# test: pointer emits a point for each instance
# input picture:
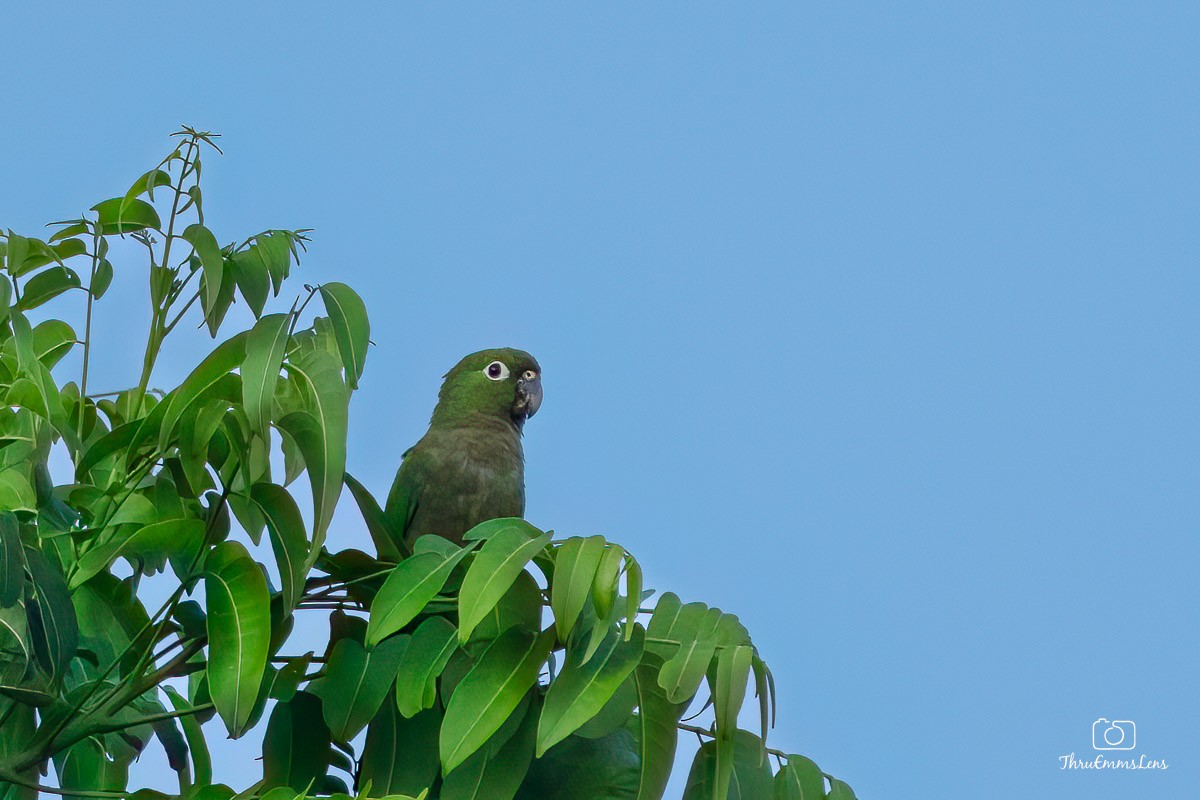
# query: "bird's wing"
(405, 495)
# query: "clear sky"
(875, 324)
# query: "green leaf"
(575, 564)
(490, 692)
(799, 779)
(47, 285)
(15, 734)
(85, 765)
(102, 279)
(41, 254)
(751, 777)
(52, 340)
(502, 558)
(838, 790)
(265, 348)
(428, 651)
(5, 299)
(520, 607)
(53, 627)
(239, 632)
(654, 730)
(585, 769)
(197, 746)
(177, 539)
(252, 280)
(495, 771)
(320, 434)
(148, 183)
(15, 492)
(285, 526)
(274, 250)
(110, 617)
(604, 585)
(765, 692)
(412, 584)
(733, 671)
(400, 755)
(382, 535)
(633, 592)
(15, 251)
(12, 561)
(14, 637)
(121, 215)
(351, 327)
(296, 744)
(212, 262)
(582, 689)
(694, 626)
(225, 358)
(356, 683)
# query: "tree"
(513, 666)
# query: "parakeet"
(469, 467)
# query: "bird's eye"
(496, 371)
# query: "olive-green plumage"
(469, 466)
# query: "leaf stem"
(154, 340)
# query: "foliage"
(513, 666)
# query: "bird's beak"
(529, 396)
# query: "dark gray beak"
(529, 397)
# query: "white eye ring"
(496, 371)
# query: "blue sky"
(875, 324)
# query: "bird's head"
(502, 382)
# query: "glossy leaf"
(356, 683)
(252, 280)
(12, 561)
(178, 539)
(490, 692)
(265, 347)
(604, 584)
(495, 771)
(52, 340)
(212, 262)
(194, 734)
(633, 592)
(654, 730)
(351, 328)
(585, 769)
(839, 790)
(750, 778)
(799, 779)
(53, 627)
(583, 688)
(682, 673)
(46, 285)
(220, 362)
(428, 651)
(319, 432)
(575, 564)
(733, 671)
(412, 584)
(122, 215)
(498, 563)
(239, 632)
(296, 744)
(401, 755)
(285, 527)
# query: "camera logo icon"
(1117, 734)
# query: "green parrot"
(469, 467)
